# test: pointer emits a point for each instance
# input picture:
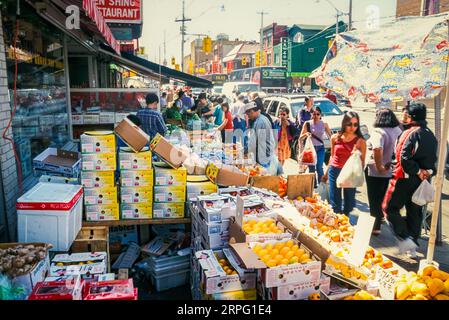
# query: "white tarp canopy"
(402, 60)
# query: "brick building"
(415, 7)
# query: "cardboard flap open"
(248, 257)
(300, 185)
(269, 183)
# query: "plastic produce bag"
(323, 191)
(351, 176)
(424, 194)
(307, 156)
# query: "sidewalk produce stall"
(386, 65)
(248, 236)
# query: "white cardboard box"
(215, 280)
(50, 213)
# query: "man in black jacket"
(416, 157)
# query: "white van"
(230, 88)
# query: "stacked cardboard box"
(169, 193)
(99, 163)
(210, 222)
(136, 181)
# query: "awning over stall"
(189, 80)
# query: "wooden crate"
(92, 239)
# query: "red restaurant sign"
(121, 11)
(92, 12)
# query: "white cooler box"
(51, 213)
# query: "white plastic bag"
(323, 191)
(351, 176)
(424, 194)
(307, 156)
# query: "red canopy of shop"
(92, 11)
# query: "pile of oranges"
(260, 227)
(281, 254)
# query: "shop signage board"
(121, 11)
(284, 49)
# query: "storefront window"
(41, 119)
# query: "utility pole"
(350, 16)
(262, 14)
(183, 30)
(165, 48)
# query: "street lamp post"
(340, 14)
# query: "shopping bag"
(351, 176)
(307, 156)
(424, 194)
(323, 191)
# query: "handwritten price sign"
(386, 282)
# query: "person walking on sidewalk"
(316, 129)
(380, 157)
(343, 144)
(416, 157)
(286, 133)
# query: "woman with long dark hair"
(380, 156)
(343, 145)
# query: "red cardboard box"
(110, 290)
(58, 290)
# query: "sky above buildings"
(239, 19)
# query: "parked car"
(332, 114)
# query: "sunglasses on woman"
(317, 114)
(355, 125)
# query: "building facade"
(271, 37)
(420, 7)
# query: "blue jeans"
(321, 154)
(240, 124)
(335, 194)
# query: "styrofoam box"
(51, 213)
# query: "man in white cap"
(261, 140)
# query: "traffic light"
(190, 66)
(177, 67)
(173, 61)
(264, 58)
(257, 58)
(207, 45)
(244, 61)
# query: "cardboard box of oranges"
(280, 263)
(258, 229)
(220, 272)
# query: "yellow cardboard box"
(137, 211)
(170, 177)
(93, 196)
(136, 195)
(98, 142)
(97, 179)
(195, 189)
(108, 212)
(99, 162)
(130, 160)
(137, 178)
(168, 210)
(170, 194)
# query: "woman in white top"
(380, 156)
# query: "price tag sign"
(239, 211)
(212, 172)
(386, 283)
(155, 141)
